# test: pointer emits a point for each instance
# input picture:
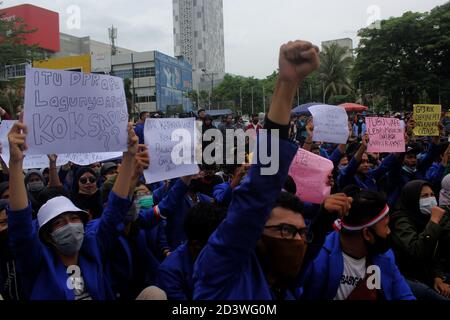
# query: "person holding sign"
(58, 259)
(358, 171)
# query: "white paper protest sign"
(73, 112)
(30, 161)
(42, 161)
(330, 123)
(171, 144)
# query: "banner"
(385, 135)
(310, 173)
(171, 144)
(73, 112)
(427, 117)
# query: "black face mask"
(381, 245)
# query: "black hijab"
(91, 203)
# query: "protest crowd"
(370, 225)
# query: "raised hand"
(338, 203)
(17, 142)
(297, 60)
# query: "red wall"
(45, 21)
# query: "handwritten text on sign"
(385, 135)
(427, 119)
(71, 112)
(330, 123)
(171, 146)
(310, 173)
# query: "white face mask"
(427, 204)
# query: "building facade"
(199, 38)
(159, 82)
(345, 43)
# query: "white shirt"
(354, 272)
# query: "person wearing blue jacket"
(355, 262)
(436, 172)
(56, 259)
(257, 251)
(358, 170)
(175, 273)
(222, 192)
(139, 129)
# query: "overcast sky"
(254, 29)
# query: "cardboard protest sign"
(385, 135)
(73, 112)
(85, 159)
(330, 124)
(427, 117)
(171, 144)
(310, 173)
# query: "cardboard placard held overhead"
(330, 123)
(385, 135)
(427, 117)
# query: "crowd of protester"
(229, 233)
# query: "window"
(200, 46)
(176, 18)
(124, 74)
(199, 14)
(195, 3)
(195, 34)
(145, 99)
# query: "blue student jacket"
(322, 277)
(139, 130)
(348, 176)
(222, 193)
(228, 268)
(175, 274)
(43, 274)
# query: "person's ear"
(367, 235)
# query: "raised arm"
(233, 243)
(53, 181)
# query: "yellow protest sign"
(427, 117)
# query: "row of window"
(138, 73)
(145, 99)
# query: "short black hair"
(200, 110)
(142, 114)
(366, 205)
(202, 220)
(288, 201)
(290, 185)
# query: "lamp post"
(211, 75)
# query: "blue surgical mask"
(427, 204)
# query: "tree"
(335, 71)
(407, 60)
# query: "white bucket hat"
(55, 207)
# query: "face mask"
(381, 245)
(282, 258)
(342, 167)
(145, 202)
(68, 239)
(427, 204)
(36, 186)
(409, 169)
(360, 121)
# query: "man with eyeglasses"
(257, 251)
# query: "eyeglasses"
(288, 231)
(85, 180)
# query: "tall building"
(199, 38)
(345, 43)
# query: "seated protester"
(257, 251)
(360, 242)
(435, 173)
(441, 263)
(45, 256)
(182, 198)
(408, 168)
(222, 192)
(35, 183)
(175, 273)
(358, 171)
(417, 227)
(9, 288)
(85, 193)
(4, 190)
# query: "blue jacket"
(139, 130)
(322, 277)
(228, 268)
(363, 130)
(348, 176)
(175, 274)
(222, 193)
(43, 274)
(435, 174)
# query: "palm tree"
(335, 70)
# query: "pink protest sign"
(310, 173)
(385, 135)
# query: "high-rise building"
(199, 38)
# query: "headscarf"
(444, 196)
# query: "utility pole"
(240, 99)
(264, 99)
(253, 106)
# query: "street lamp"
(211, 75)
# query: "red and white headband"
(338, 225)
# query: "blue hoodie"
(43, 274)
(228, 268)
(322, 278)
